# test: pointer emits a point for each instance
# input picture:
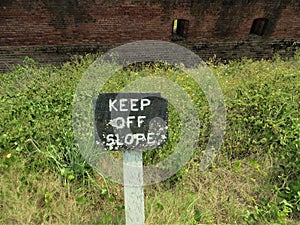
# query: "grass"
(254, 180)
(216, 196)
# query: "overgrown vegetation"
(254, 180)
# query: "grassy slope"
(44, 179)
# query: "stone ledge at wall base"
(254, 49)
(220, 51)
(46, 54)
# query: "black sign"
(131, 121)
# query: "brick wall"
(44, 27)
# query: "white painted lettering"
(140, 120)
(131, 139)
(133, 105)
(128, 104)
(145, 102)
(118, 140)
(110, 139)
(150, 138)
(111, 105)
(129, 120)
(123, 105)
(139, 137)
(118, 123)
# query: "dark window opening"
(179, 29)
(259, 26)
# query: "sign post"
(133, 123)
(133, 187)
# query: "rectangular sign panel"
(131, 121)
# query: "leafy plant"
(262, 99)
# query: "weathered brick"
(222, 26)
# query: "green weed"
(254, 180)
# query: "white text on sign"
(121, 122)
(125, 105)
(131, 121)
(131, 139)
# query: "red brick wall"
(288, 24)
(62, 22)
(102, 24)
